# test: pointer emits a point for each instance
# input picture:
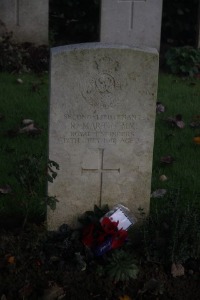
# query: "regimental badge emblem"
(106, 84)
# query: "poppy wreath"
(105, 237)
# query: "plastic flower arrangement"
(109, 233)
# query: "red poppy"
(119, 239)
(107, 237)
(101, 236)
(110, 227)
(87, 238)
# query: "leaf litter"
(177, 270)
(160, 193)
(160, 108)
(195, 123)
(5, 189)
(28, 127)
(176, 121)
(167, 160)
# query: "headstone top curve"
(92, 46)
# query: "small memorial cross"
(17, 12)
(100, 170)
(131, 22)
(132, 9)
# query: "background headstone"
(131, 22)
(27, 19)
(102, 114)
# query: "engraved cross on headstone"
(17, 12)
(132, 9)
(100, 170)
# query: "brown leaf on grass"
(26, 122)
(10, 260)
(167, 160)
(195, 122)
(176, 121)
(5, 189)
(19, 80)
(163, 177)
(180, 124)
(125, 297)
(158, 193)
(177, 270)
(196, 140)
(27, 128)
(171, 121)
(160, 108)
(30, 129)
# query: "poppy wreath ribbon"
(104, 238)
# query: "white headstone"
(131, 22)
(27, 19)
(102, 114)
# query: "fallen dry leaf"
(125, 297)
(177, 270)
(171, 121)
(159, 193)
(5, 189)
(196, 140)
(30, 129)
(27, 122)
(160, 108)
(27, 128)
(10, 259)
(19, 80)
(195, 122)
(180, 124)
(176, 121)
(163, 177)
(168, 159)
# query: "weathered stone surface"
(131, 22)
(102, 113)
(27, 19)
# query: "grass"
(180, 96)
(29, 100)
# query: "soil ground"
(34, 264)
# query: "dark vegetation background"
(77, 21)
